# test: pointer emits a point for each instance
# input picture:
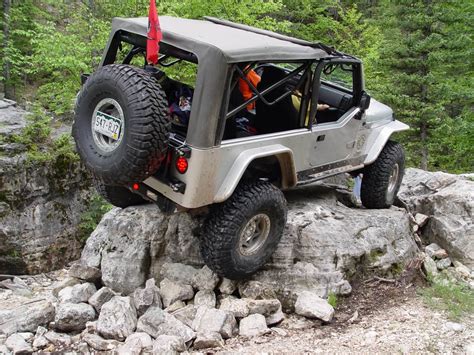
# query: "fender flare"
(382, 136)
(285, 159)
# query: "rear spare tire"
(121, 124)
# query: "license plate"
(107, 125)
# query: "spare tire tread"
(147, 129)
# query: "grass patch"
(92, 216)
(455, 298)
(332, 299)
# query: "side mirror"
(364, 101)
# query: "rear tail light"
(181, 164)
(136, 187)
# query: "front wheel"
(242, 233)
(382, 179)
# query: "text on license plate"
(107, 125)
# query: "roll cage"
(307, 69)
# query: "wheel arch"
(380, 137)
(273, 156)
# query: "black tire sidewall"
(95, 155)
(375, 181)
(277, 217)
(221, 233)
(146, 124)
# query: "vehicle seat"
(281, 116)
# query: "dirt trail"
(389, 319)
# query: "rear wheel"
(242, 233)
(118, 196)
(382, 179)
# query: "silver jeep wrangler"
(259, 113)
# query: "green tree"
(426, 65)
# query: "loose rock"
(208, 340)
(102, 296)
(135, 344)
(73, 316)
(276, 317)
(157, 322)
(227, 287)
(17, 344)
(77, 294)
(421, 219)
(186, 314)
(58, 339)
(431, 249)
(238, 307)
(205, 279)
(457, 327)
(469, 349)
(98, 343)
(256, 290)
(443, 263)
(117, 319)
(311, 305)
(40, 341)
(175, 306)
(27, 318)
(84, 272)
(168, 343)
(69, 281)
(172, 291)
(264, 307)
(215, 320)
(430, 266)
(177, 272)
(205, 298)
(253, 325)
(440, 254)
(146, 297)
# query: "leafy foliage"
(418, 55)
(92, 216)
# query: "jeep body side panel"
(214, 173)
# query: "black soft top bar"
(329, 50)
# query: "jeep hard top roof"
(234, 42)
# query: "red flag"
(154, 35)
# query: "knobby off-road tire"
(382, 179)
(134, 99)
(118, 196)
(242, 233)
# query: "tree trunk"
(6, 60)
(424, 148)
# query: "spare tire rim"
(108, 109)
(254, 234)
(392, 182)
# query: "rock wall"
(447, 201)
(41, 204)
(324, 245)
